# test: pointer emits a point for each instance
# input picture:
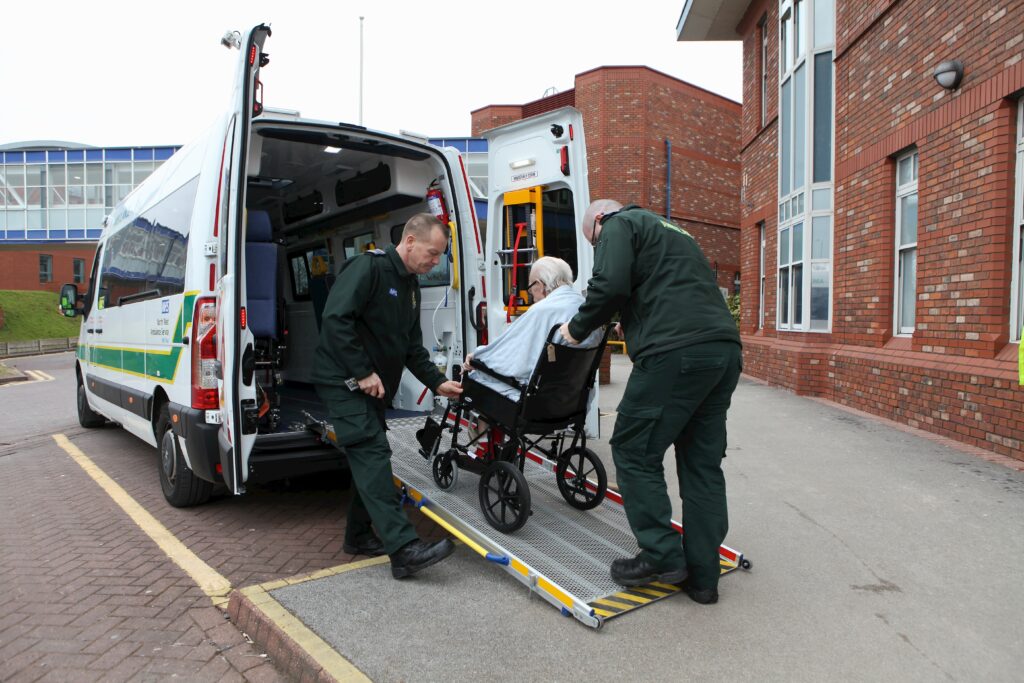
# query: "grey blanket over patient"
(514, 353)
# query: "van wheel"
(181, 487)
(86, 417)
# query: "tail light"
(564, 159)
(204, 355)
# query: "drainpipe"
(668, 179)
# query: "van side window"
(309, 267)
(145, 259)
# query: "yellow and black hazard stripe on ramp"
(629, 599)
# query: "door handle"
(96, 330)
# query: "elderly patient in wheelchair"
(525, 391)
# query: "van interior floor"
(297, 398)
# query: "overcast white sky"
(139, 73)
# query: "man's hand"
(372, 386)
(450, 389)
(617, 330)
(564, 331)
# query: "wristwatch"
(352, 384)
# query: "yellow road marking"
(208, 579)
(323, 653)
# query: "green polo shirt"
(654, 274)
(371, 323)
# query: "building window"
(763, 28)
(1017, 291)
(806, 97)
(77, 270)
(45, 268)
(761, 276)
(906, 243)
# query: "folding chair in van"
(547, 418)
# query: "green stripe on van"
(160, 366)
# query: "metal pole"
(360, 71)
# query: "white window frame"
(1017, 273)
(762, 236)
(763, 25)
(798, 205)
(904, 190)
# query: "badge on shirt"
(393, 292)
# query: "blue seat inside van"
(261, 256)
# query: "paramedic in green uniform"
(370, 331)
(686, 357)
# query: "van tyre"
(86, 417)
(181, 487)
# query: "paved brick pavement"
(87, 596)
(90, 597)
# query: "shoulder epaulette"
(375, 252)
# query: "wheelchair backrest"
(561, 381)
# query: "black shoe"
(371, 546)
(419, 555)
(705, 596)
(636, 571)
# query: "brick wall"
(628, 113)
(19, 265)
(955, 375)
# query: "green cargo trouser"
(678, 397)
(375, 499)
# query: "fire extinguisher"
(435, 201)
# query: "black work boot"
(704, 596)
(371, 546)
(637, 571)
(418, 555)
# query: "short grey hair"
(552, 272)
(597, 206)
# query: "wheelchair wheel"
(445, 469)
(504, 496)
(575, 466)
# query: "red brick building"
(45, 267)
(881, 216)
(655, 140)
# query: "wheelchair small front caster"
(445, 469)
(574, 468)
(504, 496)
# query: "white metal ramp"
(562, 553)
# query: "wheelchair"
(492, 434)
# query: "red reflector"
(220, 468)
(252, 55)
(565, 159)
(213, 276)
(243, 317)
(570, 132)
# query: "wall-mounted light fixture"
(736, 283)
(949, 73)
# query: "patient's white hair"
(552, 273)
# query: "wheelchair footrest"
(428, 437)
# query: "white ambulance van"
(203, 307)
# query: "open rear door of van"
(238, 407)
(537, 193)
